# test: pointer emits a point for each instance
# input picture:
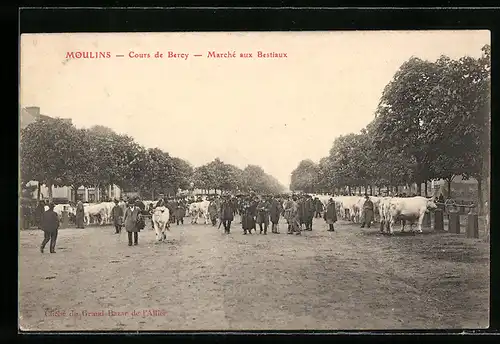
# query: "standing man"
(116, 216)
(274, 212)
(80, 214)
(263, 214)
(296, 217)
(308, 212)
(288, 213)
(330, 214)
(132, 221)
(367, 212)
(226, 214)
(50, 226)
(318, 207)
(213, 211)
(180, 212)
(247, 220)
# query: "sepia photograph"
(232, 181)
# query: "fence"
(454, 212)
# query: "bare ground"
(202, 279)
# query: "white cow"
(199, 209)
(161, 222)
(405, 209)
(96, 211)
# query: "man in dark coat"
(80, 215)
(132, 222)
(330, 214)
(247, 218)
(367, 212)
(308, 209)
(50, 226)
(213, 211)
(318, 207)
(117, 216)
(226, 214)
(263, 214)
(274, 214)
(180, 212)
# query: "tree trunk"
(419, 188)
(49, 186)
(38, 191)
(448, 184)
(349, 189)
(379, 190)
(425, 192)
(371, 190)
(480, 194)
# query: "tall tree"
(305, 176)
(48, 152)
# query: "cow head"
(431, 204)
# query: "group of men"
(264, 210)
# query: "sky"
(264, 111)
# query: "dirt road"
(202, 279)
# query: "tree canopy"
(432, 122)
(54, 152)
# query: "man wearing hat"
(330, 214)
(367, 212)
(132, 222)
(226, 214)
(50, 226)
(213, 211)
(116, 216)
(263, 214)
(80, 214)
(308, 212)
(274, 214)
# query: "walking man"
(367, 212)
(132, 221)
(50, 226)
(330, 214)
(116, 216)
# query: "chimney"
(34, 111)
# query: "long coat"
(116, 215)
(275, 211)
(179, 212)
(50, 221)
(330, 214)
(368, 211)
(308, 209)
(80, 214)
(263, 212)
(247, 219)
(213, 211)
(130, 219)
(226, 211)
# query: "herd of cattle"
(387, 210)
